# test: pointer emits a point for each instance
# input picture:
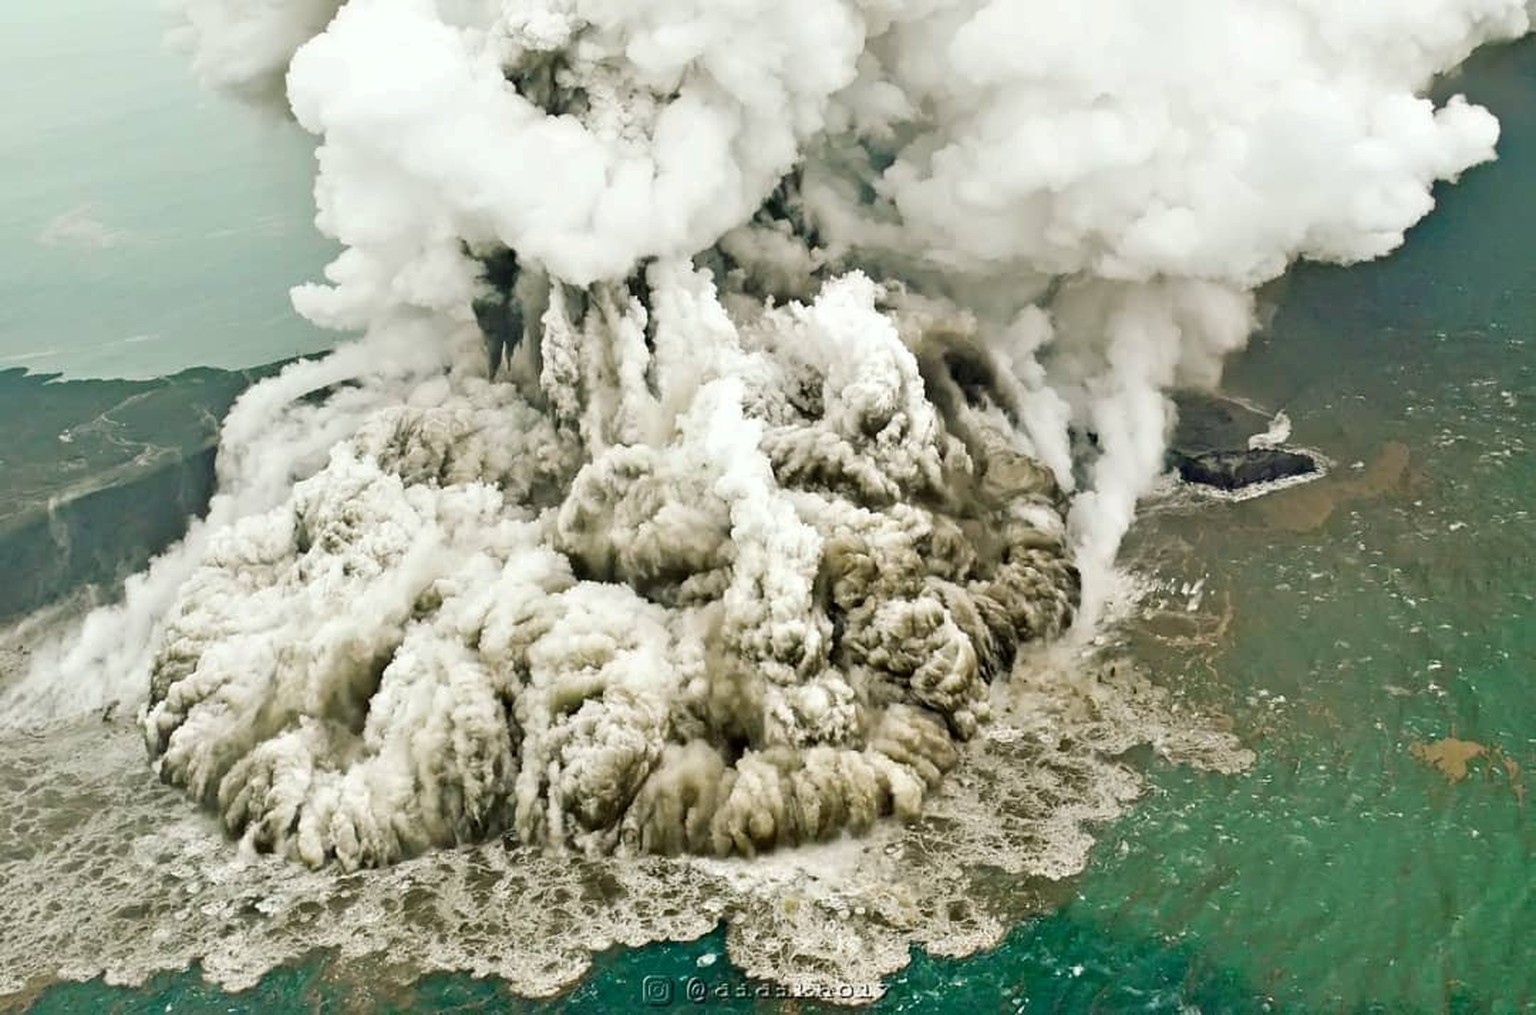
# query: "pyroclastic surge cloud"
(742, 387)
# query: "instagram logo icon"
(656, 991)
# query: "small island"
(1225, 445)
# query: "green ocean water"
(1346, 628)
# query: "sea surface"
(1372, 635)
(146, 225)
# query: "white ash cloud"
(830, 343)
(742, 610)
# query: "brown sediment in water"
(1200, 636)
(24, 999)
(1308, 507)
(370, 983)
(1449, 756)
(1452, 757)
(1516, 780)
(1192, 629)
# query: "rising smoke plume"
(742, 386)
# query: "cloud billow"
(829, 350)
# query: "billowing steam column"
(676, 582)
(721, 545)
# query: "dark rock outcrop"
(1233, 470)
(1210, 445)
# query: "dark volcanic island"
(1211, 446)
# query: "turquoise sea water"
(1349, 628)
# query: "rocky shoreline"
(102, 475)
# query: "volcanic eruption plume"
(742, 387)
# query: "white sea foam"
(108, 873)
